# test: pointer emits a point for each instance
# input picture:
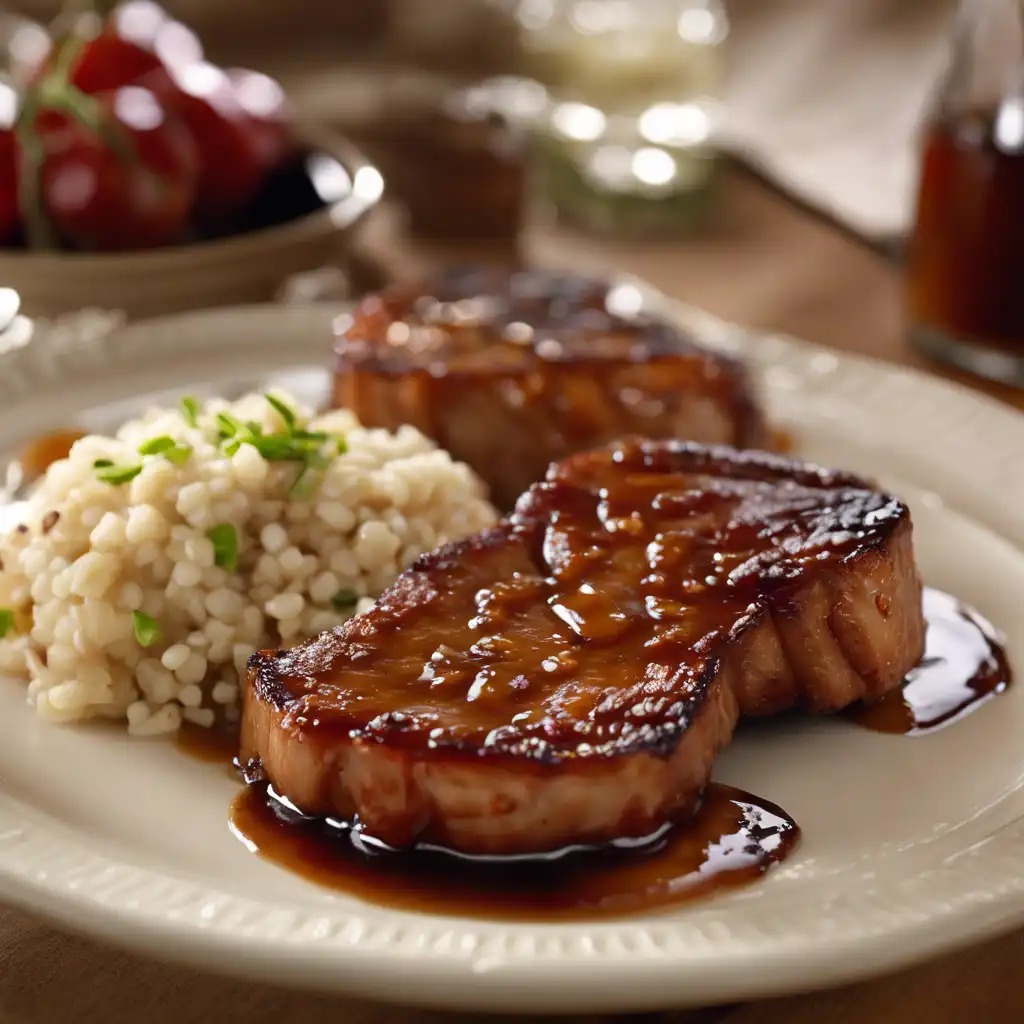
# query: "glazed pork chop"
(510, 372)
(569, 675)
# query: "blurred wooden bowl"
(248, 267)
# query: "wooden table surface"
(765, 263)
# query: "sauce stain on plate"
(733, 840)
(964, 665)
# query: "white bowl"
(243, 268)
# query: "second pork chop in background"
(511, 372)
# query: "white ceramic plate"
(911, 845)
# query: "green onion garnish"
(117, 475)
(225, 545)
(101, 463)
(344, 598)
(156, 445)
(147, 632)
(309, 476)
(190, 411)
(229, 426)
(293, 444)
(6, 621)
(303, 485)
(316, 459)
(168, 448)
(281, 447)
(286, 414)
(178, 454)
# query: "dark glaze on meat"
(613, 561)
(570, 674)
(511, 372)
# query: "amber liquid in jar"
(965, 273)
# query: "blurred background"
(656, 136)
(823, 96)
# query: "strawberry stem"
(38, 229)
(54, 91)
(47, 93)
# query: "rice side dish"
(150, 565)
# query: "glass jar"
(455, 35)
(457, 160)
(965, 260)
(626, 147)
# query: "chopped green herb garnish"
(229, 426)
(6, 621)
(310, 475)
(117, 475)
(225, 545)
(304, 484)
(156, 445)
(286, 414)
(278, 447)
(316, 460)
(293, 444)
(281, 448)
(179, 454)
(147, 632)
(166, 446)
(101, 463)
(190, 411)
(344, 598)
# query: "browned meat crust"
(512, 372)
(570, 675)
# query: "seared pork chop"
(569, 675)
(510, 372)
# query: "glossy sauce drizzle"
(218, 745)
(733, 840)
(38, 455)
(42, 452)
(964, 665)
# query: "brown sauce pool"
(782, 441)
(39, 454)
(734, 839)
(964, 665)
(218, 745)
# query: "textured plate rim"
(636, 964)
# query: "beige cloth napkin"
(825, 97)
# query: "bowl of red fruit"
(137, 175)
